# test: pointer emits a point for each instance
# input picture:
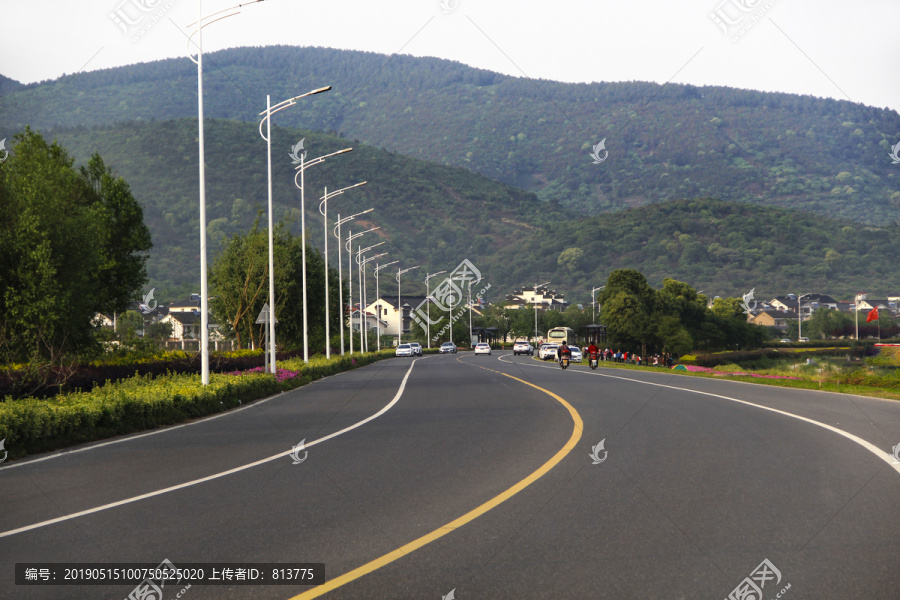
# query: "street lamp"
(594, 303)
(349, 245)
(323, 208)
(301, 170)
(534, 297)
(363, 334)
(337, 234)
(428, 300)
(366, 293)
(800, 317)
(378, 295)
(204, 291)
(470, 312)
(400, 302)
(267, 121)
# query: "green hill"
(431, 214)
(665, 142)
(722, 248)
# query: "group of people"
(665, 359)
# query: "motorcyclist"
(563, 351)
(593, 352)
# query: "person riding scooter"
(593, 353)
(563, 352)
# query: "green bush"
(144, 402)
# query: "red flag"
(873, 315)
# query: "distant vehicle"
(448, 348)
(785, 341)
(576, 354)
(803, 339)
(548, 351)
(558, 335)
(482, 348)
(417, 348)
(404, 350)
(523, 348)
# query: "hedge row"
(724, 358)
(142, 402)
(88, 376)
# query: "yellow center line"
(466, 518)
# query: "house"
(387, 309)
(372, 322)
(541, 297)
(778, 319)
(184, 316)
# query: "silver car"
(404, 350)
(417, 348)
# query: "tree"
(239, 278)
(72, 244)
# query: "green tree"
(72, 244)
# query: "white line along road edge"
(187, 484)
(868, 446)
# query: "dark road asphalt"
(703, 480)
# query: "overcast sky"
(838, 49)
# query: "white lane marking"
(186, 484)
(867, 445)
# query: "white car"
(404, 350)
(548, 351)
(576, 354)
(417, 348)
(448, 348)
(483, 348)
(523, 348)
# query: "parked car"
(803, 339)
(785, 341)
(404, 350)
(548, 351)
(523, 348)
(417, 348)
(448, 348)
(482, 348)
(576, 354)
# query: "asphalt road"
(479, 470)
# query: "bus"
(558, 335)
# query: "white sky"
(829, 48)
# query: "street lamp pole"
(470, 311)
(800, 317)
(337, 234)
(594, 303)
(428, 300)
(204, 288)
(323, 208)
(267, 120)
(534, 297)
(349, 246)
(400, 302)
(363, 333)
(378, 295)
(366, 293)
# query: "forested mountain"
(664, 142)
(431, 214)
(723, 248)
(435, 216)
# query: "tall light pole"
(378, 295)
(323, 208)
(534, 297)
(400, 302)
(337, 234)
(470, 311)
(363, 333)
(594, 303)
(428, 300)
(366, 293)
(349, 246)
(301, 170)
(800, 318)
(204, 290)
(267, 121)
